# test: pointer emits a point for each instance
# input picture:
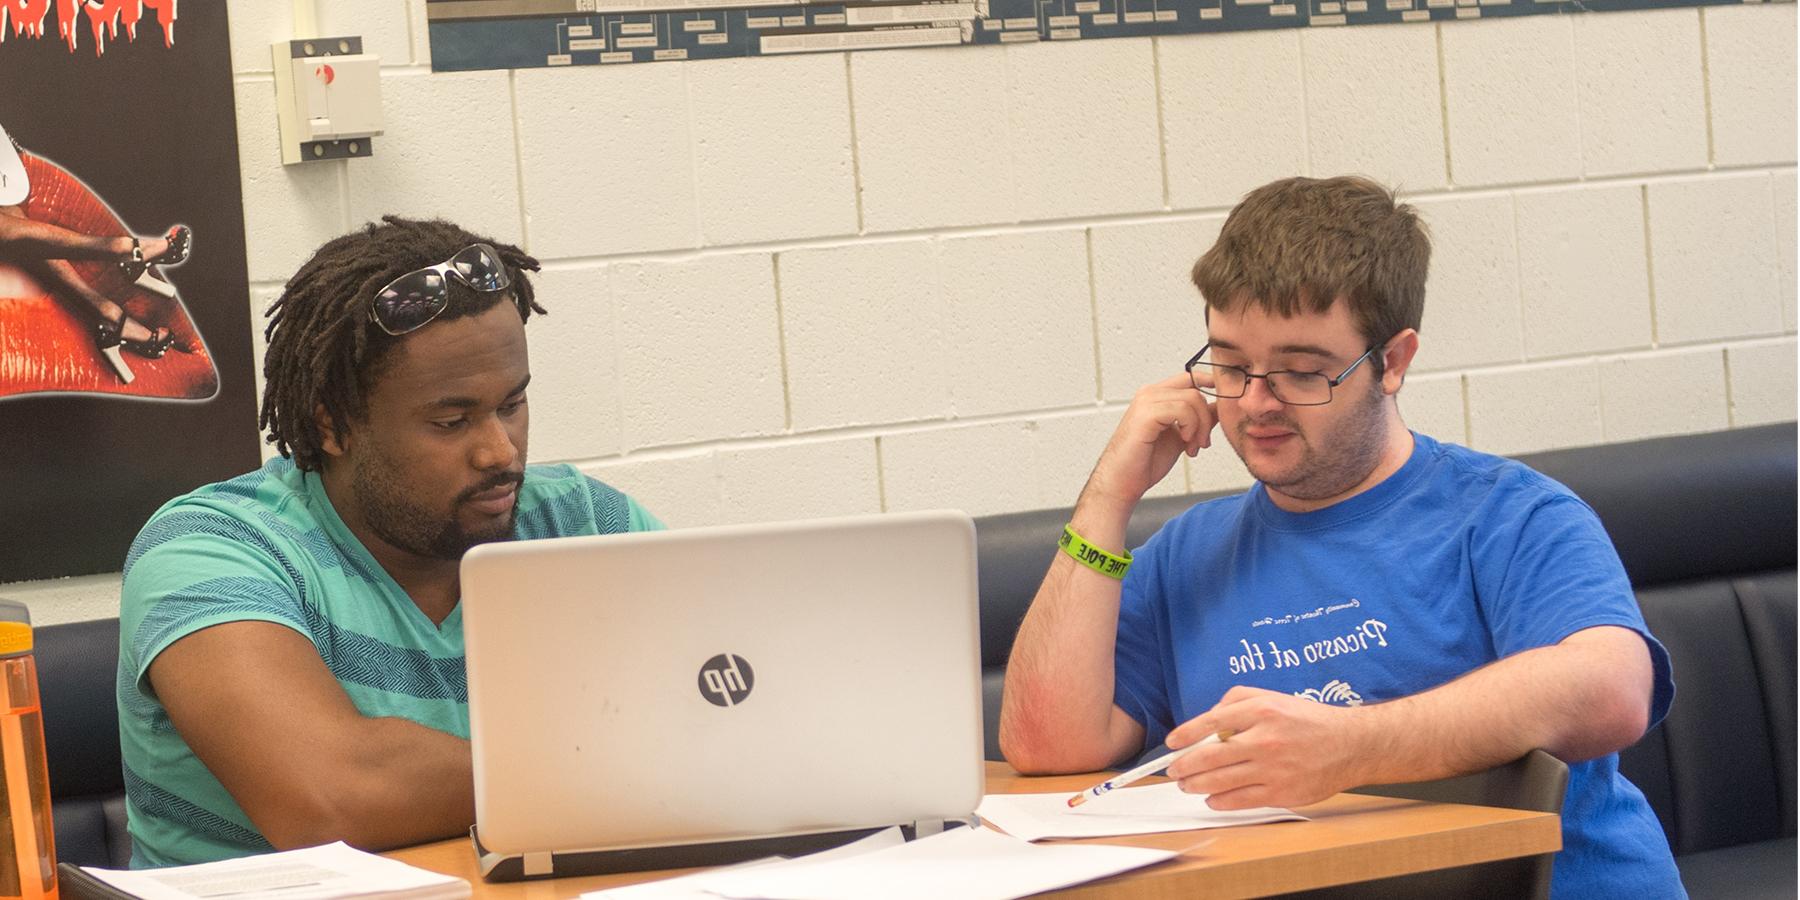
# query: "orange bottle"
(27, 840)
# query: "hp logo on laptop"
(726, 680)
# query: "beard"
(1330, 464)
(389, 510)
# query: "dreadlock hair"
(324, 351)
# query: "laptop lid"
(713, 684)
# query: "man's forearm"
(1583, 698)
(396, 783)
(1058, 701)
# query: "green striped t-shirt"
(267, 546)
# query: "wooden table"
(1349, 838)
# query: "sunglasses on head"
(410, 302)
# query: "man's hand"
(1283, 750)
(1164, 420)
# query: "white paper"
(687, 887)
(960, 864)
(1132, 810)
(316, 873)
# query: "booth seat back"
(77, 664)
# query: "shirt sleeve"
(193, 569)
(1140, 673)
(641, 519)
(1553, 571)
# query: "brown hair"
(1299, 244)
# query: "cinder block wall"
(827, 284)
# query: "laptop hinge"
(538, 864)
(928, 827)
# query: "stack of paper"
(1134, 810)
(969, 863)
(960, 864)
(317, 873)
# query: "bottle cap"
(15, 628)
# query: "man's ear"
(331, 440)
(1396, 358)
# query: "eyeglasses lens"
(1300, 388)
(1292, 388)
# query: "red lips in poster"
(87, 304)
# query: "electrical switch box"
(328, 95)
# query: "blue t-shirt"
(1456, 560)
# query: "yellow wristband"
(1093, 557)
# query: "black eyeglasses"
(1290, 387)
(410, 302)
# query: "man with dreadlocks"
(291, 659)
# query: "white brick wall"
(1511, 108)
(772, 148)
(700, 349)
(1472, 310)
(1783, 186)
(1217, 152)
(1712, 255)
(1084, 129)
(1667, 392)
(1387, 74)
(1583, 269)
(1433, 404)
(623, 187)
(1150, 317)
(865, 327)
(1762, 381)
(1642, 89)
(1535, 407)
(1750, 71)
(418, 173)
(931, 137)
(827, 284)
(575, 410)
(1012, 298)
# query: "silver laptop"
(708, 695)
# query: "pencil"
(1147, 769)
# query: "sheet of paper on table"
(315, 873)
(960, 864)
(1132, 810)
(688, 887)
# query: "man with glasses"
(291, 659)
(1379, 608)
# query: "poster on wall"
(125, 358)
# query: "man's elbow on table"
(308, 816)
(1033, 745)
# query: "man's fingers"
(1247, 796)
(1220, 781)
(1241, 692)
(1193, 417)
(1181, 381)
(1208, 758)
(1221, 720)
